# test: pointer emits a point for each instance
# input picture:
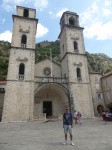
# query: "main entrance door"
(47, 108)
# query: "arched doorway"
(51, 99)
(100, 108)
(110, 106)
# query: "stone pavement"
(93, 134)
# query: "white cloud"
(107, 3)
(97, 21)
(41, 30)
(50, 12)
(106, 12)
(9, 5)
(6, 36)
(101, 31)
(40, 4)
(59, 14)
(90, 15)
(3, 20)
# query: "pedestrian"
(104, 117)
(79, 118)
(68, 125)
(75, 117)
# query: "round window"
(47, 71)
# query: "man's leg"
(70, 132)
(65, 137)
(65, 131)
(71, 137)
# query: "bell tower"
(19, 96)
(74, 64)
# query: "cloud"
(106, 12)
(59, 14)
(89, 15)
(3, 20)
(9, 5)
(97, 21)
(6, 36)
(107, 2)
(41, 31)
(50, 12)
(99, 30)
(41, 4)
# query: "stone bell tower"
(19, 96)
(74, 64)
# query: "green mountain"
(96, 62)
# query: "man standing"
(68, 125)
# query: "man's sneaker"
(65, 143)
(72, 143)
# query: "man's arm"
(71, 121)
(63, 120)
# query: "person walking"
(79, 118)
(104, 117)
(68, 125)
(75, 117)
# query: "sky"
(94, 15)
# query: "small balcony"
(21, 77)
(23, 45)
(79, 79)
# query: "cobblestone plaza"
(93, 134)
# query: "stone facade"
(19, 96)
(106, 82)
(76, 69)
(34, 91)
(97, 93)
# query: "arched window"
(23, 40)
(79, 79)
(75, 45)
(72, 21)
(78, 73)
(26, 13)
(21, 71)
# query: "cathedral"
(45, 89)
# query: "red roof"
(107, 74)
(2, 82)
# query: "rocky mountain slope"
(96, 62)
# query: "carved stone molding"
(77, 64)
(22, 59)
(24, 31)
(74, 36)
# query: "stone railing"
(40, 117)
(21, 77)
(23, 45)
(51, 80)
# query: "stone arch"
(21, 71)
(78, 70)
(72, 21)
(75, 45)
(55, 94)
(100, 108)
(23, 39)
